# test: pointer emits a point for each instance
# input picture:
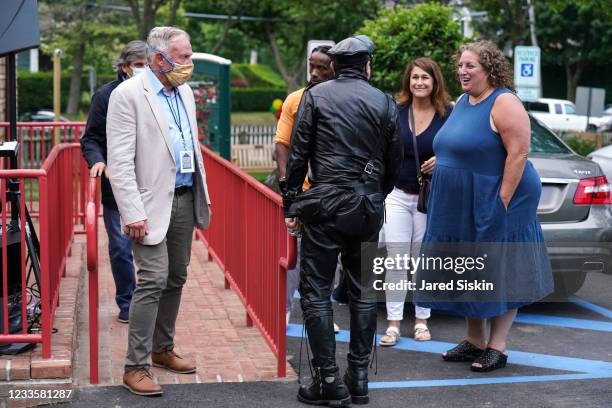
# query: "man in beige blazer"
(157, 175)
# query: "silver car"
(574, 210)
(603, 157)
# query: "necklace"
(477, 99)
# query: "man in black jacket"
(133, 59)
(349, 133)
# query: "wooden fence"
(253, 134)
(253, 147)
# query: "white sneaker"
(336, 328)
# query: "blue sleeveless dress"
(464, 207)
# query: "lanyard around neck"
(176, 117)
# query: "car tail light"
(594, 190)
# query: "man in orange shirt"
(320, 70)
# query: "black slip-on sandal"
(490, 360)
(464, 351)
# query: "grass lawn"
(253, 118)
(260, 175)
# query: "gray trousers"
(161, 272)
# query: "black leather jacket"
(337, 128)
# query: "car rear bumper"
(581, 246)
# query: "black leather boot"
(326, 389)
(322, 340)
(363, 328)
(356, 380)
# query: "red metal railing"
(36, 140)
(247, 237)
(56, 187)
(91, 228)
(249, 241)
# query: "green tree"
(426, 30)
(311, 20)
(284, 27)
(506, 22)
(145, 13)
(87, 34)
(221, 36)
(575, 36)
(281, 29)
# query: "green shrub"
(257, 76)
(580, 145)
(402, 34)
(35, 90)
(255, 99)
(268, 75)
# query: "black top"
(408, 175)
(93, 142)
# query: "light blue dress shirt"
(169, 101)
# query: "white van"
(560, 115)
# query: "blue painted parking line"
(296, 296)
(558, 321)
(585, 369)
(592, 307)
(481, 381)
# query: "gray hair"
(159, 39)
(134, 50)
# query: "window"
(558, 109)
(545, 141)
(569, 109)
(538, 107)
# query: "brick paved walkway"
(211, 330)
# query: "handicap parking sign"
(527, 67)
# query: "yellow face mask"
(180, 74)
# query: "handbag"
(424, 180)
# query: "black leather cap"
(352, 46)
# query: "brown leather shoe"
(140, 382)
(172, 362)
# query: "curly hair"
(439, 95)
(493, 61)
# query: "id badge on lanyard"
(187, 162)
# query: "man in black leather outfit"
(349, 133)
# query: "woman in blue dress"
(484, 190)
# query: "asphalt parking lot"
(560, 356)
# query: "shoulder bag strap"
(412, 128)
(369, 167)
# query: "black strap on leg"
(374, 353)
(300, 357)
